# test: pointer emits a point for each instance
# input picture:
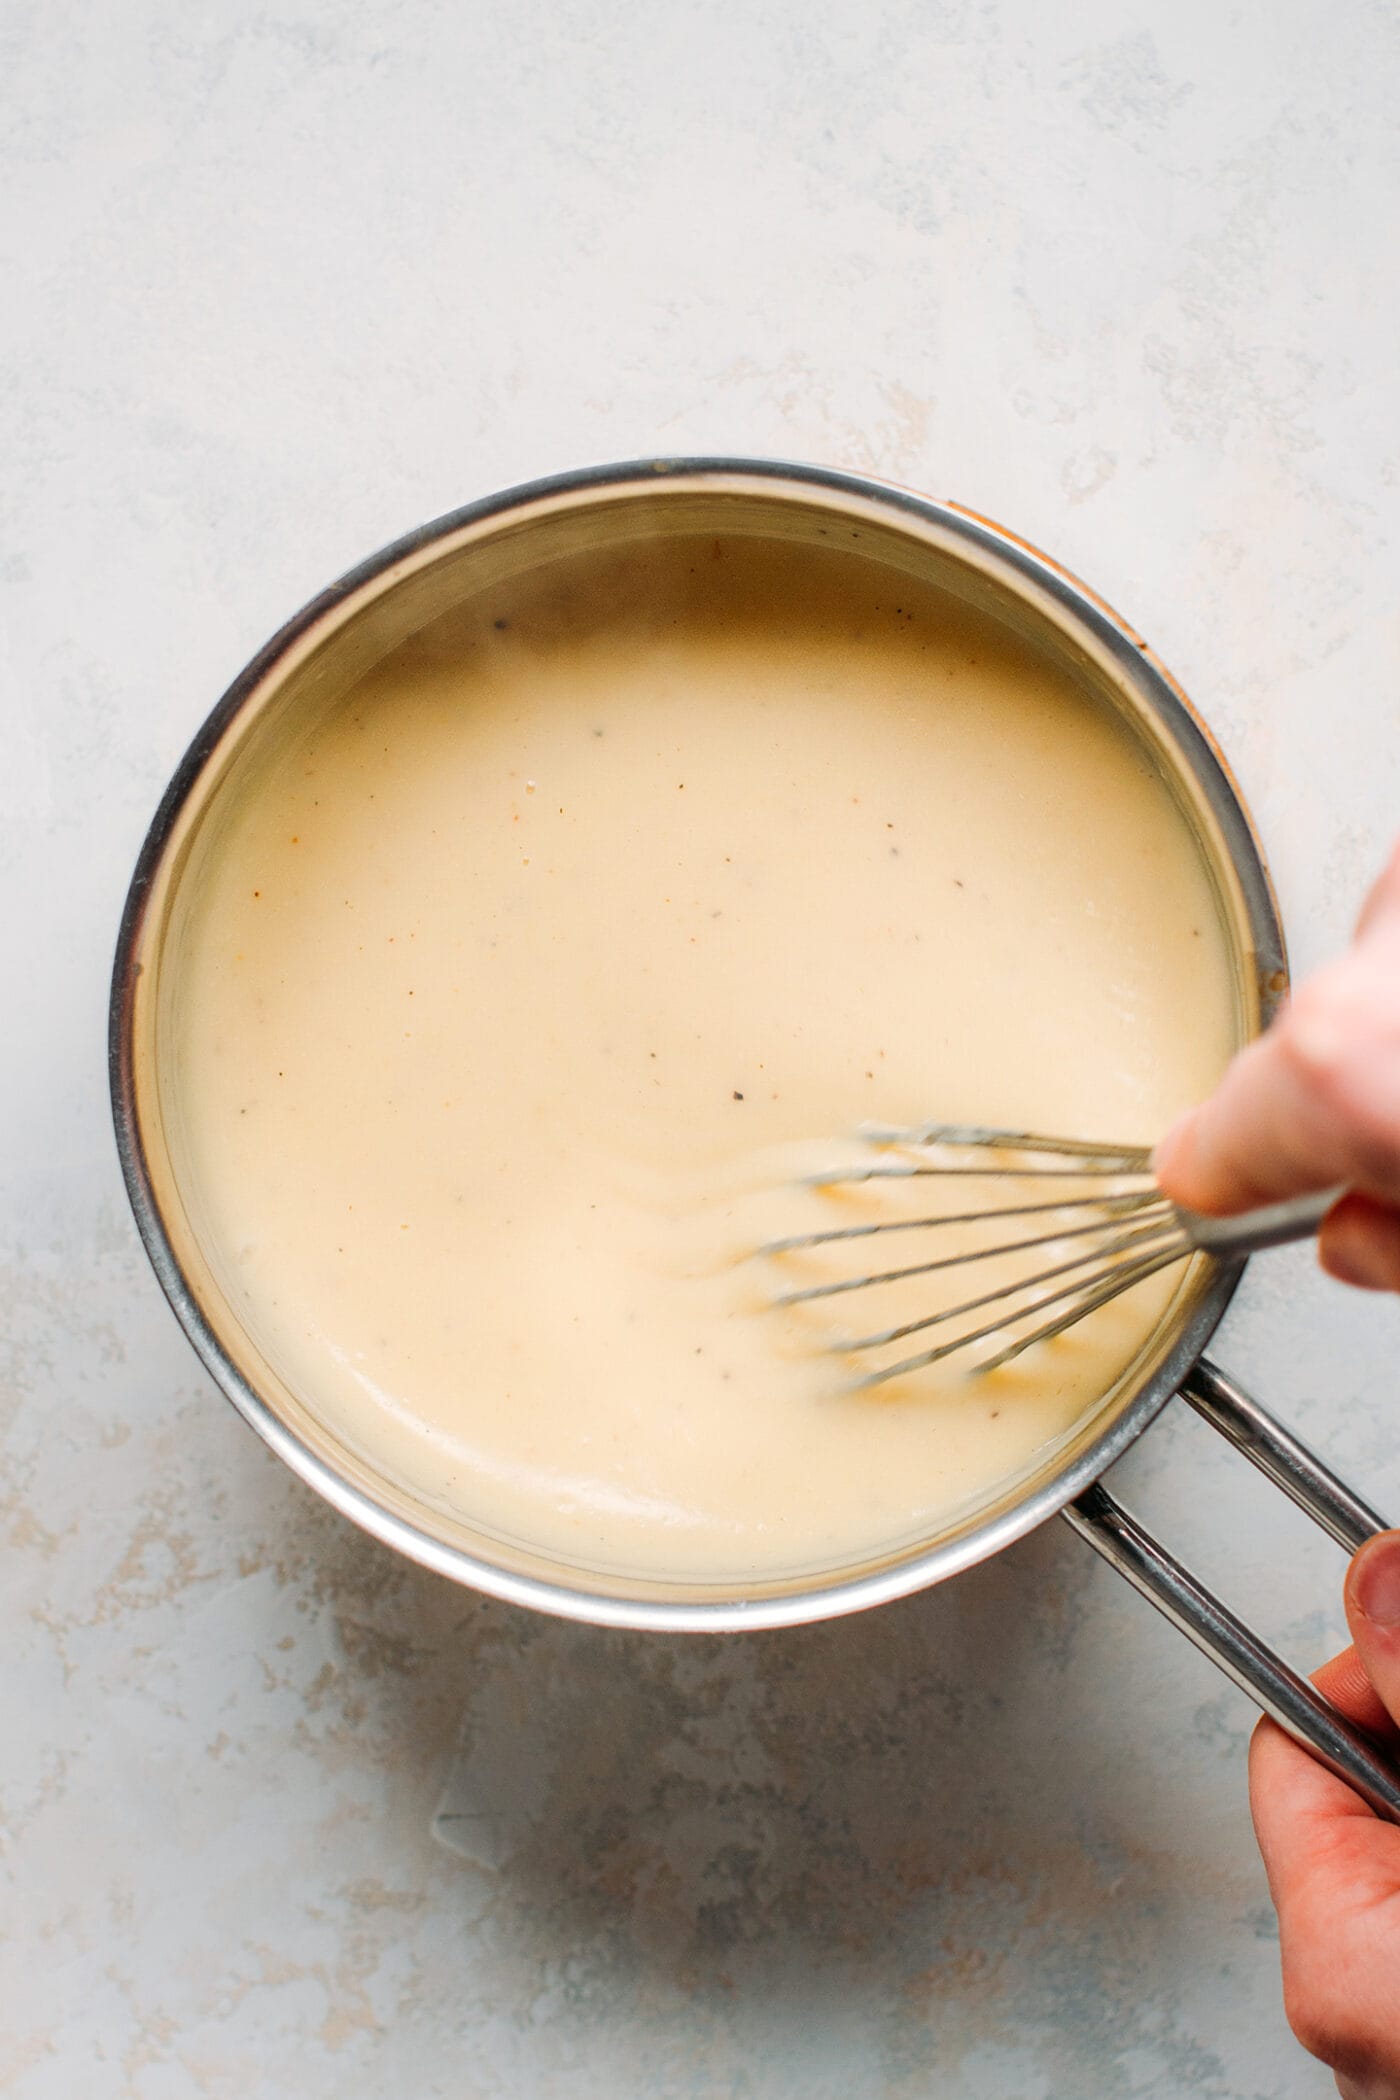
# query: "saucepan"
(369, 612)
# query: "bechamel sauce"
(511, 1003)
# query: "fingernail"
(1375, 1585)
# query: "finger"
(1291, 1794)
(1360, 1244)
(1314, 1102)
(1293, 1797)
(1372, 1598)
(1243, 1146)
(1333, 1865)
(1304, 1816)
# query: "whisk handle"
(1253, 1230)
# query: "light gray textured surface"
(283, 282)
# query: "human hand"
(1313, 1104)
(1333, 1865)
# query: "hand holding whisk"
(1072, 1250)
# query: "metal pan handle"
(1288, 1698)
(1283, 1457)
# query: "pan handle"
(1297, 1706)
(1283, 1457)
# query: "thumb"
(1373, 1614)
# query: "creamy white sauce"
(537, 969)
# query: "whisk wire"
(1120, 1278)
(1130, 1231)
(974, 1135)
(1161, 1214)
(1118, 1205)
(1147, 1239)
(909, 1170)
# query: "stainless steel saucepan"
(353, 624)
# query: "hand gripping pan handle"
(1297, 1706)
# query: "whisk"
(1111, 1237)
